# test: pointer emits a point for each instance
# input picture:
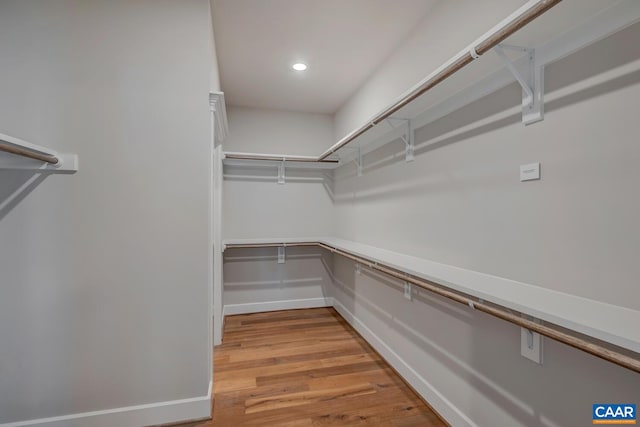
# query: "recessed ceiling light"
(299, 66)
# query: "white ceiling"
(342, 41)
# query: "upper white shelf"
(569, 26)
(607, 322)
(17, 154)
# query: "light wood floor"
(304, 368)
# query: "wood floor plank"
(225, 365)
(301, 368)
(260, 404)
(321, 367)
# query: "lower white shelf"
(610, 323)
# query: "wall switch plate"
(531, 345)
(408, 291)
(530, 172)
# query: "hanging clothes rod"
(15, 146)
(274, 157)
(547, 330)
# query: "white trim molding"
(219, 109)
(131, 416)
(260, 307)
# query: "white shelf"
(275, 241)
(273, 164)
(610, 323)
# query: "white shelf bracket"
(409, 142)
(280, 254)
(281, 168)
(408, 291)
(358, 269)
(358, 161)
(531, 81)
(531, 343)
(408, 137)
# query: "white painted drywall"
(103, 283)
(256, 130)
(255, 205)
(215, 71)
(461, 203)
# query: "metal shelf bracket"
(532, 82)
(281, 255)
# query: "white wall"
(256, 206)
(215, 72)
(103, 296)
(256, 130)
(461, 203)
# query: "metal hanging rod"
(506, 28)
(548, 330)
(243, 156)
(31, 153)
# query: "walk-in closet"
(287, 213)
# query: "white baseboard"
(442, 405)
(260, 307)
(131, 416)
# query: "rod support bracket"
(530, 75)
(408, 137)
(358, 161)
(531, 343)
(408, 291)
(281, 172)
